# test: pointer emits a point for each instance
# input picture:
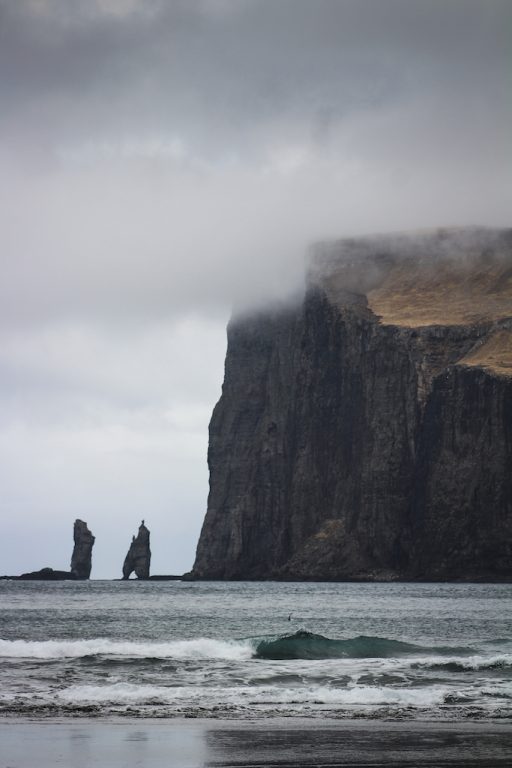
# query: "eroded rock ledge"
(366, 433)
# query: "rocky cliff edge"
(366, 433)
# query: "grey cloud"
(162, 161)
(175, 363)
(219, 77)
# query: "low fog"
(163, 162)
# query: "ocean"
(256, 650)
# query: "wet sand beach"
(75, 743)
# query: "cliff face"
(367, 433)
(138, 558)
(81, 559)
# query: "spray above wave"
(306, 645)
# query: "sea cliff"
(365, 432)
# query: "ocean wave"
(306, 645)
(302, 645)
(252, 696)
(472, 664)
(199, 648)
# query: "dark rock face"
(463, 506)
(361, 436)
(81, 559)
(139, 555)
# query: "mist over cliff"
(366, 433)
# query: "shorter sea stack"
(139, 555)
(81, 559)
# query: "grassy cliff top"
(460, 276)
(417, 293)
(494, 354)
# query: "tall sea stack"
(81, 559)
(139, 555)
(366, 432)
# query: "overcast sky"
(164, 161)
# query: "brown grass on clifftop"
(413, 294)
(494, 354)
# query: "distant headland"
(365, 433)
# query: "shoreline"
(284, 742)
(359, 717)
(399, 579)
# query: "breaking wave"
(306, 645)
(475, 664)
(252, 696)
(200, 648)
(301, 645)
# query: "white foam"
(467, 663)
(200, 648)
(357, 696)
(119, 693)
(245, 696)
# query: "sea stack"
(139, 555)
(81, 559)
(365, 432)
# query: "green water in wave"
(307, 645)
